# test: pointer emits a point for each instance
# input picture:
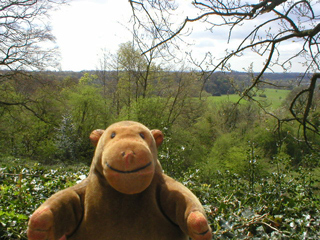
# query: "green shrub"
(283, 205)
(237, 213)
(23, 188)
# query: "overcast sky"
(85, 27)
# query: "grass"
(268, 97)
(274, 97)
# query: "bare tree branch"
(307, 125)
(282, 21)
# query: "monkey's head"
(126, 155)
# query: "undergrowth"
(271, 210)
(276, 207)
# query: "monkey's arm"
(184, 209)
(59, 215)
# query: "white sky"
(85, 27)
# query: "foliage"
(268, 212)
(219, 84)
(149, 111)
(24, 187)
(282, 205)
(65, 111)
(67, 141)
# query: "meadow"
(269, 97)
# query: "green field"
(273, 97)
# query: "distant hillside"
(218, 83)
(272, 76)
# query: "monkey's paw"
(40, 226)
(198, 226)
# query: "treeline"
(49, 116)
(215, 84)
(220, 83)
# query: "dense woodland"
(53, 113)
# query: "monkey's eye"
(113, 134)
(142, 135)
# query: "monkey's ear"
(95, 136)
(158, 136)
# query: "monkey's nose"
(128, 153)
(128, 156)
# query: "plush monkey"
(126, 195)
